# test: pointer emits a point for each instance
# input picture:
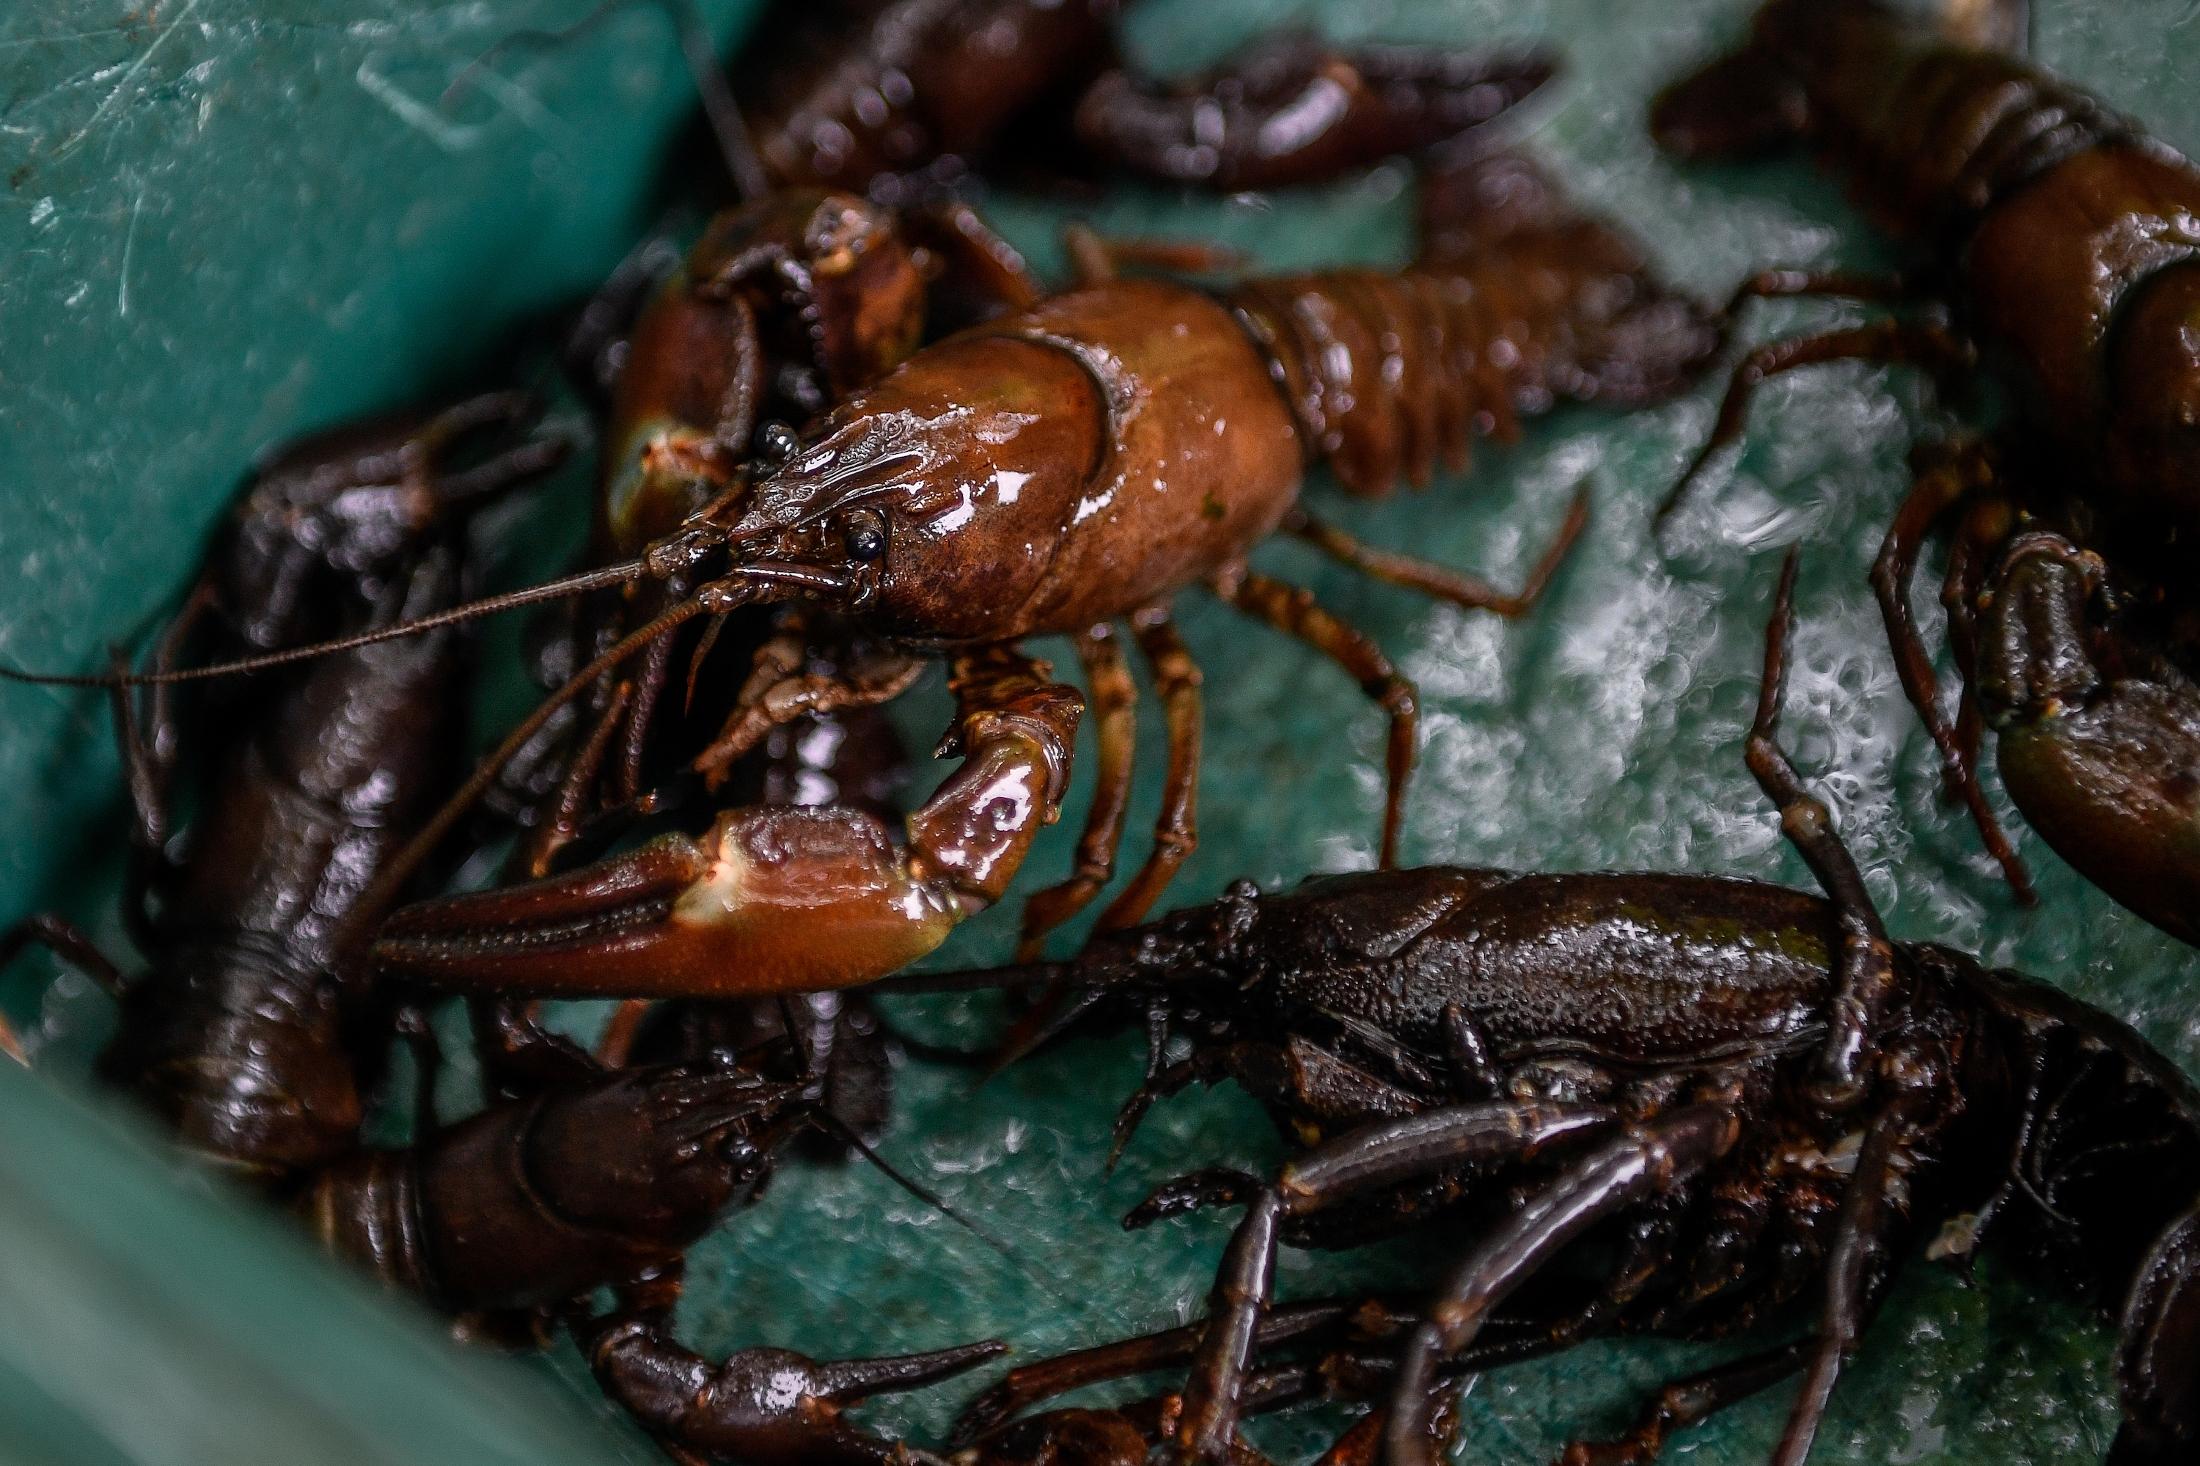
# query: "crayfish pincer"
(1606, 1088)
(761, 1407)
(2060, 235)
(901, 98)
(1069, 469)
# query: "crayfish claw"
(1215, 1186)
(764, 1406)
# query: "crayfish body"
(2060, 234)
(1612, 1091)
(1068, 468)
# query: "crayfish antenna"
(623, 573)
(1067, 991)
(1057, 1010)
(978, 979)
(845, 1133)
(382, 892)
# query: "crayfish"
(516, 1216)
(2061, 235)
(900, 98)
(1605, 1088)
(1067, 468)
(249, 1033)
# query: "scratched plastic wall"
(225, 230)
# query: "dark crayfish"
(2063, 238)
(1065, 469)
(900, 97)
(247, 1035)
(1629, 1062)
(519, 1214)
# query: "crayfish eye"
(864, 539)
(776, 442)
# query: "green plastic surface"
(230, 222)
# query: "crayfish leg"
(1687, 1402)
(1368, 1158)
(1647, 1159)
(1114, 700)
(1441, 582)
(1864, 977)
(782, 688)
(973, 273)
(1177, 681)
(1030, 1384)
(1961, 475)
(1296, 614)
(1925, 344)
(68, 942)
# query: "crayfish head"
(942, 499)
(1187, 960)
(830, 507)
(657, 1151)
(345, 508)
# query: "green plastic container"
(227, 222)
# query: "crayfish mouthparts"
(682, 550)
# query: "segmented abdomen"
(1518, 300)
(366, 1210)
(1390, 373)
(1934, 134)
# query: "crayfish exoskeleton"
(2062, 236)
(1064, 469)
(249, 1034)
(519, 1214)
(900, 98)
(1606, 1087)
